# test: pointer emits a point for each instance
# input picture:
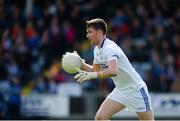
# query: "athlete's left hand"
(84, 75)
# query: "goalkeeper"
(130, 91)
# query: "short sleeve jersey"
(126, 77)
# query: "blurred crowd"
(34, 34)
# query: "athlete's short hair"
(97, 24)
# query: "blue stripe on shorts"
(145, 97)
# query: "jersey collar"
(104, 38)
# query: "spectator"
(14, 101)
(2, 107)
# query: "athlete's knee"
(102, 116)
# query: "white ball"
(70, 62)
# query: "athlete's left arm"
(110, 71)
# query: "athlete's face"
(92, 35)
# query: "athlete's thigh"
(146, 115)
(109, 107)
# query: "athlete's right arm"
(90, 68)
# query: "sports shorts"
(134, 99)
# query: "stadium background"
(35, 33)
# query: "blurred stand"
(34, 34)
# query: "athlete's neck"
(101, 41)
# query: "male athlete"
(130, 91)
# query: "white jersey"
(126, 77)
